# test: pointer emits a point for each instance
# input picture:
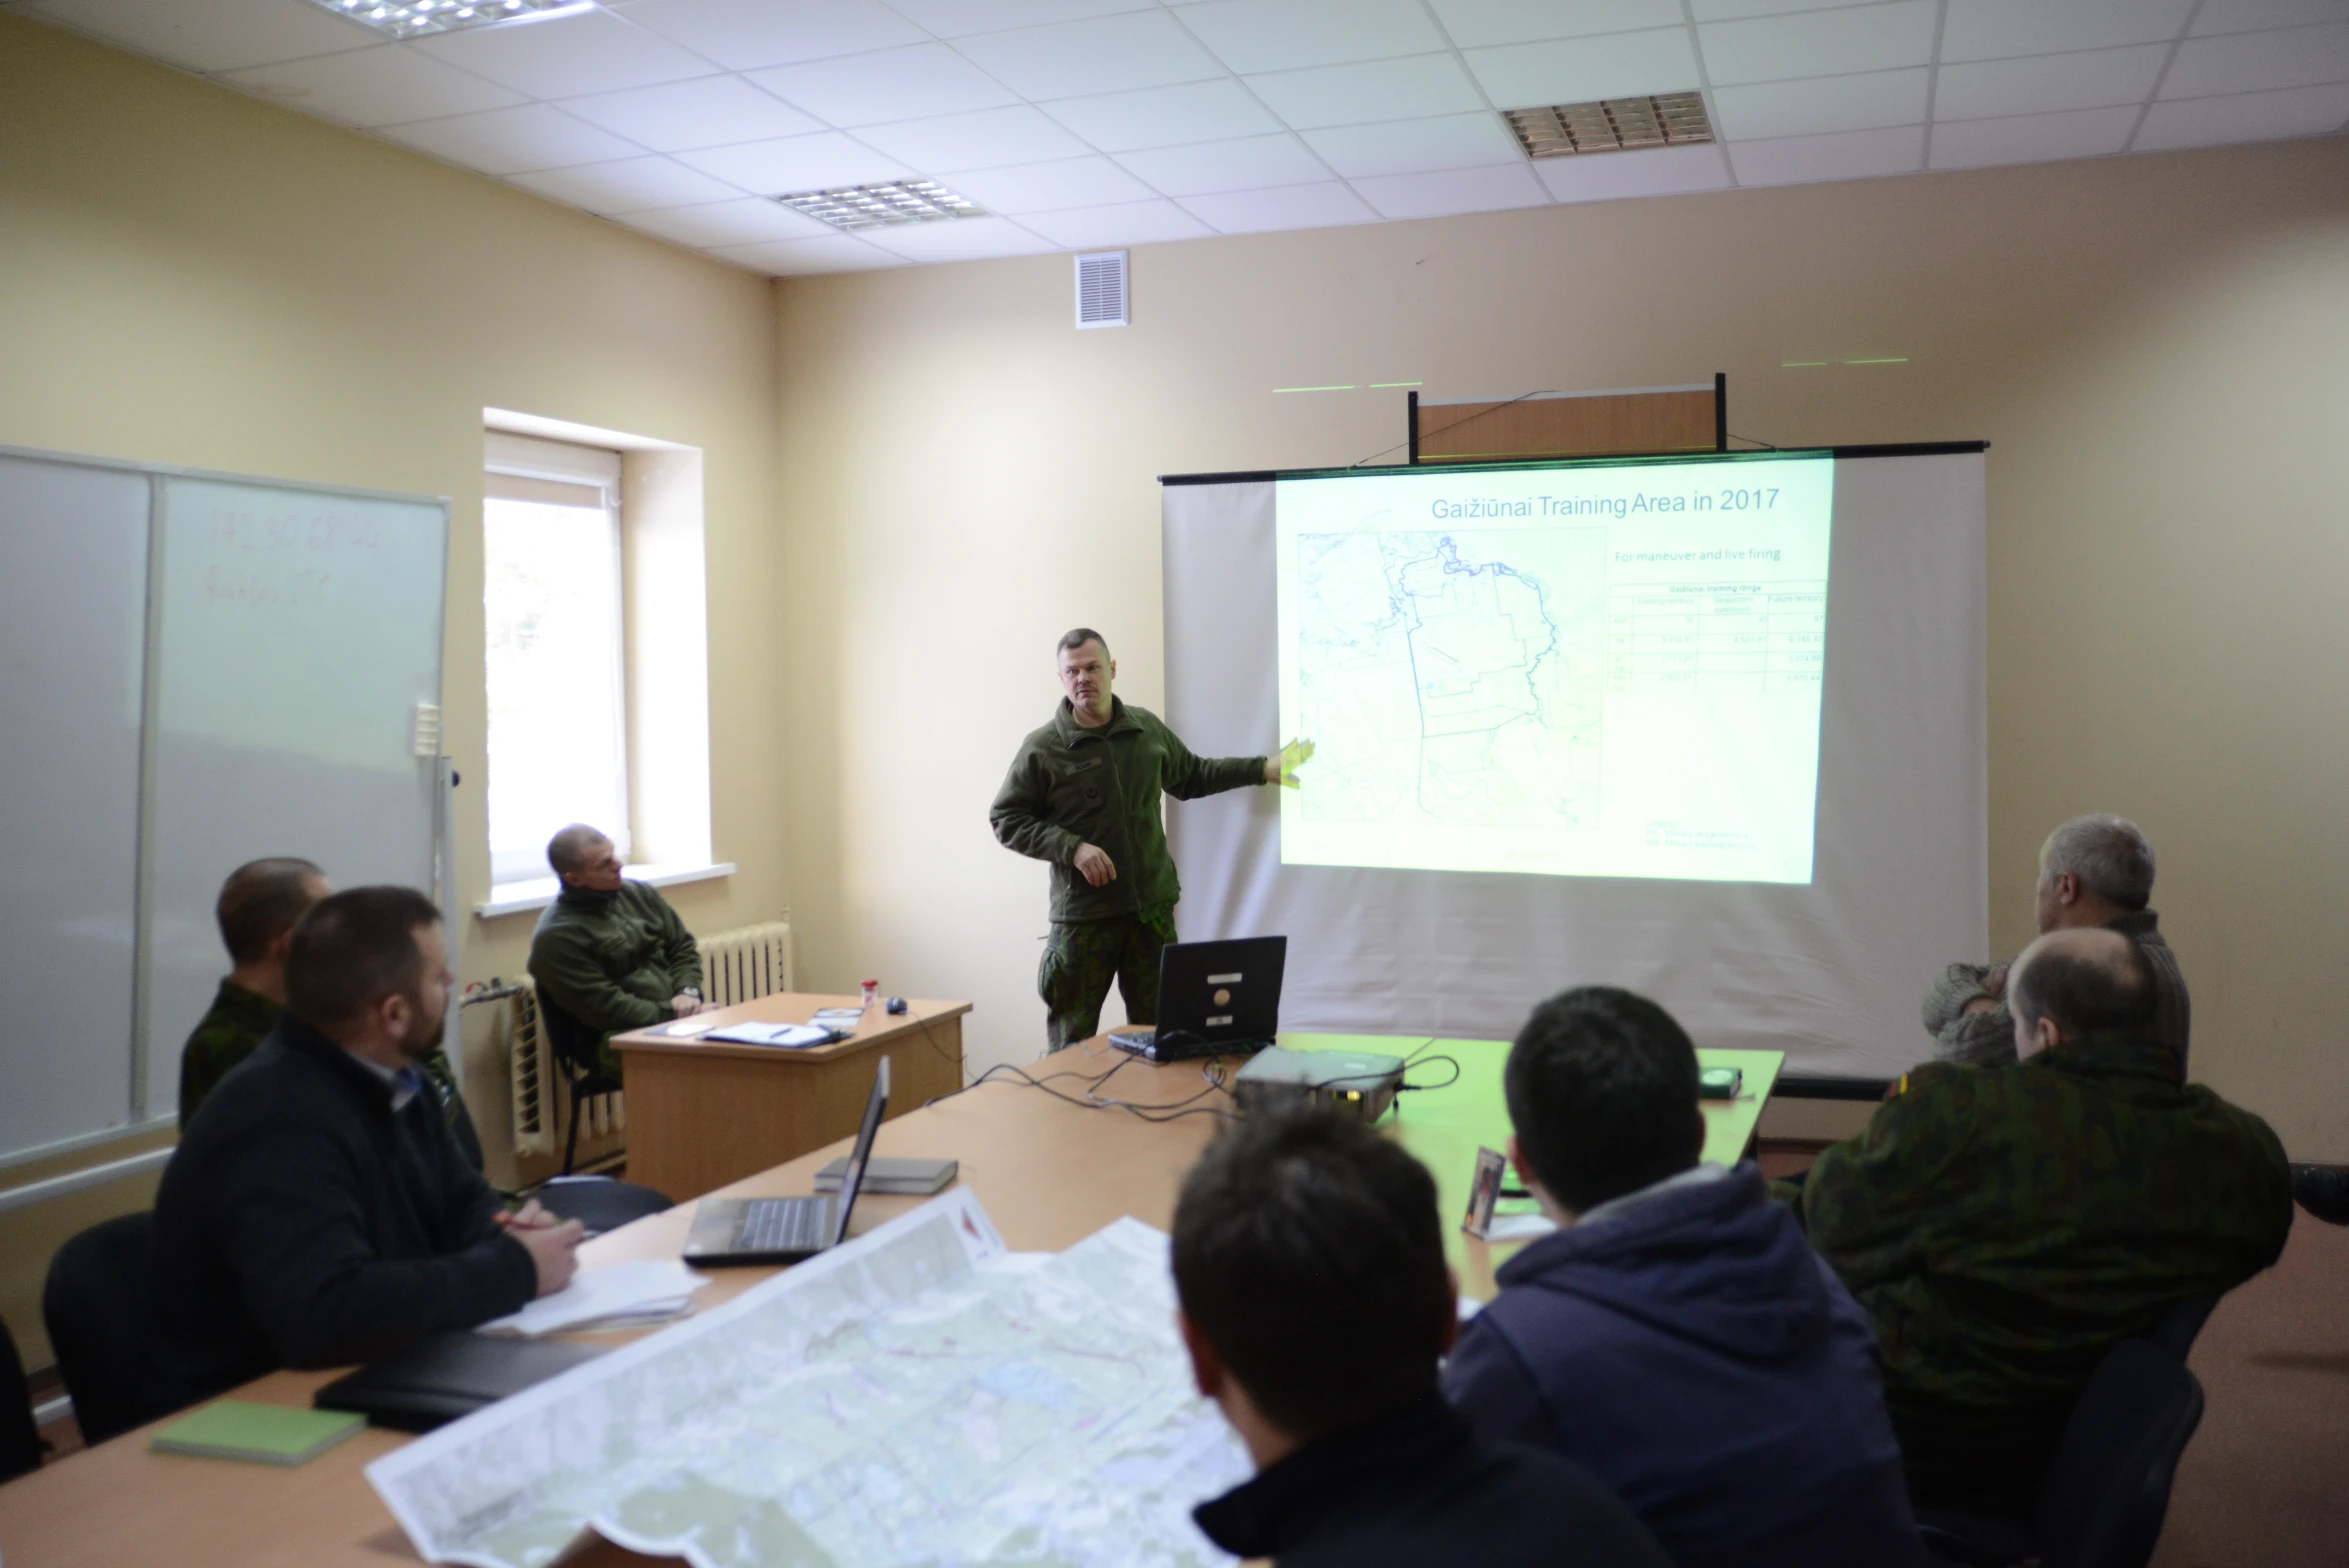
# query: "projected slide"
(1610, 671)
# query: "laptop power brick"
(1353, 1083)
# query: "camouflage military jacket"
(238, 1021)
(2005, 1226)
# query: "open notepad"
(618, 1295)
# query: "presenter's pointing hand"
(1093, 866)
(1282, 769)
(553, 1249)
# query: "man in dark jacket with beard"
(1678, 1336)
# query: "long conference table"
(1050, 1172)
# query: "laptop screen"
(853, 1177)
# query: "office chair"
(600, 1203)
(574, 1047)
(2108, 1486)
(95, 1306)
(2178, 1327)
(20, 1436)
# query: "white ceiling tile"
(738, 222)
(513, 141)
(593, 52)
(961, 18)
(1377, 90)
(1999, 29)
(963, 239)
(1733, 10)
(797, 163)
(1205, 167)
(379, 86)
(217, 35)
(1846, 155)
(1051, 187)
(892, 84)
(2243, 16)
(802, 258)
(1819, 43)
(1105, 55)
(2033, 138)
(1614, 65)
(630, 185)
(1610, 176)
(1453, 141)
(2083, 79)
(680, 116)
(2260, 62)
(1165, 116)
(2243, 117)
(1289, 35)
(1132, 223)
(1453, 190)
(743, 35)
(1289, 207)
(1476, 23)
(1832, 103)
(989, 139)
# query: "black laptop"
(785, 1230)
(1214, 999)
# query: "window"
(551, 592)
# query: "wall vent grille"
(1101, 289)
(1612, 125)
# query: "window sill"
(516, 898)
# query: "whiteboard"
(73, 607)
(298, 631)
(199, 670)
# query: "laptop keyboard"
(783, 1225)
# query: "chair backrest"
(573, 1043)
(95, 1307)
(2177, 1328)
(2108, 1489)
(20, 1439)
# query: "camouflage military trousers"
(1081, 957)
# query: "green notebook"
(262, 1434)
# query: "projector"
(1353, 1083)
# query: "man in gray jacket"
(1083, 794)
(2093, 871)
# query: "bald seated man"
(608, 951)
(2093, 871)
(2006, 1226)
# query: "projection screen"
(1711, 728)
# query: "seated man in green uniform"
(609, 952)
(1083, 793)
(258, 906)
(2006, 1226)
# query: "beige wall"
(2154, 346)
(189, 276)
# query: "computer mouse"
(897, 1004)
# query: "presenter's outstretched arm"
(1282, 768)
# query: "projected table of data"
(1715, 637)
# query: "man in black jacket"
(1315, 1303)
(319, 1212)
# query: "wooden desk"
(702, 1113)
(1050, 1173)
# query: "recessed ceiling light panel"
(415, 18)
(883, 206)
(1612, 125)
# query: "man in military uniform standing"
(1083, 794)
(2006, 1226)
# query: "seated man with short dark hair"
(2006, 1226)
(1677, 1335)
(610, 952)
(1315, 1303)
(318, 1212)
(256, 911)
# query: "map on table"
(919, 1396)
(1452, 675)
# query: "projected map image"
(1452, 675)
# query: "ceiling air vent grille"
(1101, 289)
(1612, 125)
(883, 206)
